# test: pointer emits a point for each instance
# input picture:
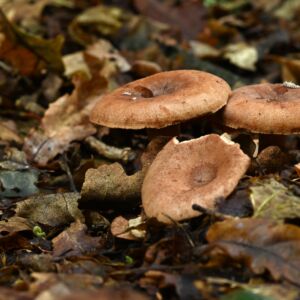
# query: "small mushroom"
(161, 100)
(200, 171)
(264, 108)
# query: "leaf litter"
(72, 225)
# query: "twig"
(110, 152)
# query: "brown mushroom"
(264, 108)
(199, 171)
(161, 100)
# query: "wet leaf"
(260, 244)
(272, 200)
(74, 241)
(52, 210)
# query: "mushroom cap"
(264, 108)
(199, 171)
(161, 100)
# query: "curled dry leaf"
(110, 183)
(66, 120)
(9, 133)
(127, 229)
(74, 241)
(52, 210)
(261, 244)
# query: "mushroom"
(199, 171)
(161, 100)
(264, 108)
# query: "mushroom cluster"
(204, 170)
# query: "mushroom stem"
(171, 131)
(110, 152)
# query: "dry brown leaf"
(66, 120)
(10, 230)
(52, 210)
(55, 286)
(110, 183)
(127, 229)
(261, 244)
(8, 132)
(74, 241)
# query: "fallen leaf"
(74, 241)
(186, 16)
(28, 53)
(128, 229)
(262, 292)
(290, 68)
(116, 293)
(55, 286)
(66, 120)
(53, 210)
(18, 183)
(105, 20)
(8, 132)
(261, 244)
(10, 233)
(272, 200)
(242, 55)
(110, 183)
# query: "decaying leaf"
(115, 293)
(8, 132)
(74, 241)
(110, 183)
(56, 286)
(66, 120)
(102, 19)
(262, 292)
(128, 229)
(186, 16)
(272, 200)
(10, 237)
(290, 68)
(18, 183)
(242, 55)
(103, 54)
(261, 244)
(52, 210)
(28, 53)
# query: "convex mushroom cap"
(264, 108)
(161, 100)
(199, 171)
